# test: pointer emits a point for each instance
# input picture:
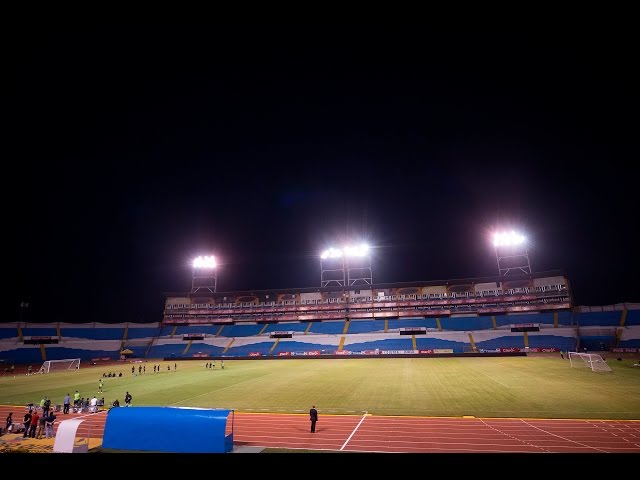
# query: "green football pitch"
(532, 386)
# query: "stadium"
(502, 364)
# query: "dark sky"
(130, 150)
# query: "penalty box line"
(354, 430)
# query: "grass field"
(533, 386)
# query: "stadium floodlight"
(331, 253)
(511, 252)
(347, 266)
(206, 261)
(205, 274)
(332, 267)
(361, 250)
(507, 239)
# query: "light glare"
(331, 253)
(507, 239)
(207, 261)
(349, 251)
(357, 251)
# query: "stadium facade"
(519, 313)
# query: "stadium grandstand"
(486, 316)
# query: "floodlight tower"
(511, 253)
(359, 265)
(332, 268)
(205, 274)
(348, 266)
(23, 308)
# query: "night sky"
(131, 150)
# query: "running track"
(369, 433)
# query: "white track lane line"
(354, 431)
(564, 438)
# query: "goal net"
(57, 365)
(588, 360)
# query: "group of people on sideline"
(33, 424)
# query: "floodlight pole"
(363, 273)
(23, 307)
(512, 258)
(205, 279)
(332, 272)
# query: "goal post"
(57, 365)
(592, 361)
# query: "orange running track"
(370, 433)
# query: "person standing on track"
(35, 419)
(9, 425)
(27, 423)
(65, 404)
(46, 407)
(313, 416)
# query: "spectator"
(35, 420)
(46, 407)
(115, 403)
(27, 423)
(66, 403)
(9, 423)
(48, 425)
(41, 425)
